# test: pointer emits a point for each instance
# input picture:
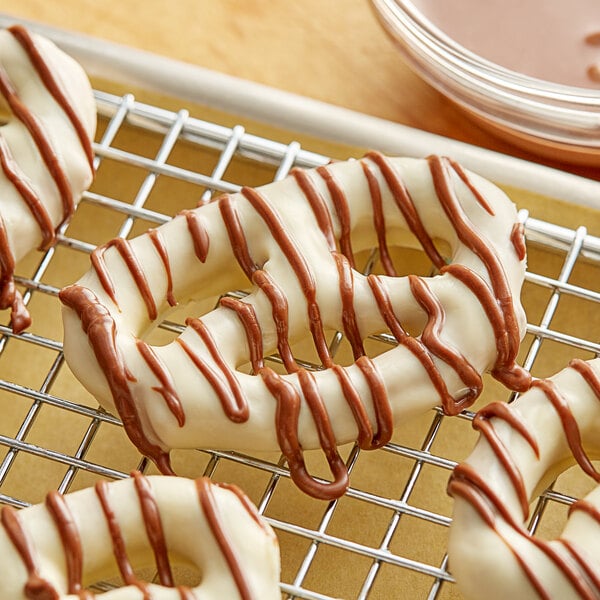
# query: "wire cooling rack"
(386, 537)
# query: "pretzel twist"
(59, 548)
(522, 448)
(293, 245)
(46, 157)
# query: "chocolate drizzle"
(470, 485)
(291, 390)
(158, 243)
(215, 522)
(232, 396)
(199, 234)
(38, 588)
(10, 297)
(300, 267)
(100, 327)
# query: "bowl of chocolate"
(528, 70)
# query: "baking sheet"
(384, 539)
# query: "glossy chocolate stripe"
(431, 338)
(366, 436)
(327, 440)
(236, 405)
(99, 326)
(569, 425)
(407, 207)
(286, 425)
(482, 424)
(36, 587)
(349, 322)
(517, 238)
(280, 314)
(47, 153)
(317, 205)
(154, 529)
(37, 60)
(247, 316)
(299, 266)
(482, 291)
(123, 247)
(414, 345)
(215, 522)
(467, 181)
(69, 536)
(199, 234)
(342, 210)
(383, 411)
(99, 266)
(126, 571)
(167, 385)
(473, 240)
(159, 244)
(378, 218)
(20, 182)
(247, 504)
(237, 237)
(583, 564)
(214, 378)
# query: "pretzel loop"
(522, 448)
(46, 159)
(293, 245)
(59, 548)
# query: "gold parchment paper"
(337, 572)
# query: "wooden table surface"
(330, 50)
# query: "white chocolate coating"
(155, 522)
(45, 150)
(292, 243)
(541, 434)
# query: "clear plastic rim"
(563, 114)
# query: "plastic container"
(553, 120)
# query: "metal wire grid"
(232, 143)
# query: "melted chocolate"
(495, 299)
(317, 205)
(69, 536)
(199, 234)
(431, 338)
(159, 244)
(100, 327)
(280, 313)
(167, 385)
(378, 219)
(49, 157)
(37, 588)
(518, 240)
(342, 210)
(299, 265)
(154, 529)
(234, 403)
(215, 522)
(53, 86)
(472, 487)
(349, 323)
(10, 297)
(247, 316)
